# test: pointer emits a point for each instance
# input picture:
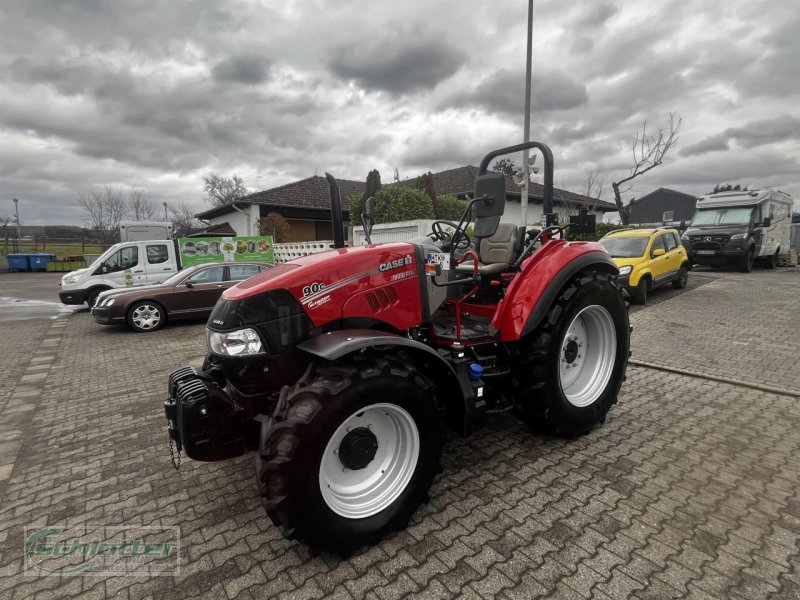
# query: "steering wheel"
(439, 234)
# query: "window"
(657, 243)
(239, 272)
(124, 258)
(669, 240)
(157, 254)
(210, 275)
(625, 247)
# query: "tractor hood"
(364, 282)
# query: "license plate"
(706, 251)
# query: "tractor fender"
(542, 281)
(450, 390)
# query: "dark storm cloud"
(756, 133)
(397, 66)
(504, 92)
(596, 16)
(241, 69)
(156, 93)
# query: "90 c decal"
(312, 289)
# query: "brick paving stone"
(690, 489)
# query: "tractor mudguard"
(534, 290)
(454, 392)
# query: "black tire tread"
(324, 383)
(539, 406)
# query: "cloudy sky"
(158, 93)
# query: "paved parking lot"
(690, 489)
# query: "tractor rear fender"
(451, 392)
(534, 290)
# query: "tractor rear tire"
(573, 365)
(350, 452)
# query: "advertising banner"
(202, 250)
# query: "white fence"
(399, 231)
(289, 251)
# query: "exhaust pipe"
(336, 212)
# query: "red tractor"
(339, 368)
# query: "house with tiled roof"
(461, 182)
(305, 204)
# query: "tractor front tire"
(350, 452)
(573, 365)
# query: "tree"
(506, 166)
(648, 153)
(140, 206)
(373, 184)
(104, 208)
(221, 190)
(275, 225)
(450, 208)
(400, 203)
(594, 185)
(183, 220)
(5, 221)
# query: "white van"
(740, 227)
(147, 262)
(123, 265)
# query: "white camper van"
(739, 228)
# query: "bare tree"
(183, 220)
(648, 153)
(104, 208)
(5, 221)
(594, 185)
(140, 206)
(223, 190)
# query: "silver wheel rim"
(361, 493)
(146, 316)
(588, 350)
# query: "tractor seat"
(495, 253)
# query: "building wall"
(301, 230)
(513, 210)
(652, 208)
(238, 220)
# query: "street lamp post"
(527, 130)
(19, 237)
(166, 217)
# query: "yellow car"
(648, 258)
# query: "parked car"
(648, 258)
(188, 294)
(740, 227)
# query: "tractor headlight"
(242, 342)
(739, 236)
(626, 270)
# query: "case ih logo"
(395, 264)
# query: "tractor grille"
(709, 242)
(382, 298)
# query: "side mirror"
(104, 269)
(659, 252)
(368, 218)
(189, 284)
(766, 222)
